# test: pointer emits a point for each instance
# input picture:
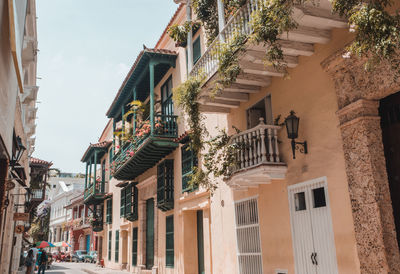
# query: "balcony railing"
(145, 149)
(37, 194)
(258, 145)
(238, 24)
(93, 192)
(257, 156)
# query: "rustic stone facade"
(358, 93)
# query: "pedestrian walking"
(29, 262)
(42, 262)
(35, 252)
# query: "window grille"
(248, 237)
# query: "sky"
(86, 48)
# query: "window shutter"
(169, 244)
(196, 50)
(248, 231)
(134, 245)
(116, 246)
(128, 200)
(189, 160)
(135, 201)
(165, 185)
(109, 244)
(122, 210)
(109, 211)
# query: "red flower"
(131, 153)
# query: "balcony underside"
(314, 27)
(147, 156)
(260, 174)
(94, 199)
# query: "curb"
(88, 271)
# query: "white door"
(313, 241)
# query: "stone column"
(358, 93)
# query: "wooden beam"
(219, 102)
(252, 79)
(317, 17)
(259, 69)
(291, 48)
(214, 109)
(307, 35)
(258, 57)
(233, 96)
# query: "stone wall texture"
(358, 92)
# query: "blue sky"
(86, 49)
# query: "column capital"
(360, 109)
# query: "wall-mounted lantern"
(19, 151)
(292, 127)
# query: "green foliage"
(377, 32)
(39, 230)
(187, 96)
(179, 33)
(228, 56)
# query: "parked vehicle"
(91, 257)
(79, 256)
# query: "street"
(79, 268)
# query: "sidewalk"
(94, 269)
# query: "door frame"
(324, 182)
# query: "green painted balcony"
(146, 149)
(94, 181)
(94, 193)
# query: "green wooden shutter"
(109, 244)
(149, 233)
(122, 210)
(134, 245)
(165, 185)
(200, 242)
(110, 155)
(116, 246)
(135, 201)
(196, 50)
(128, 200)
(189, 160)
(169, 241)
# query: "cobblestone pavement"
(78, 268)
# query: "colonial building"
(18, 93)
(314, 192)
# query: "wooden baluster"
(263, 148)
(270, 148)
(246, 147)
(258, 138)
(276, 146)
(254, 140)
(251, 149)
(243, 164)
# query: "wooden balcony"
(94, 193)
(38, 195)
(314, 25)
(258, 160)
(146, 148)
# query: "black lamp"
(19, 151)
(292, 127)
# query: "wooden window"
(128, 200)
(122, 200)
(149, 233)
(263, 109)
(103, 171)
(165, 185)
(109, 211)
(109, 244)
(196, 50)
(167, 105)
(248, 231)
(110, 160)
(116, 246)
(169, 241)
(134, 245)
(189, 160)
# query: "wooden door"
(149, 233)
(200, 242)
(313, 239)
(389, 111)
